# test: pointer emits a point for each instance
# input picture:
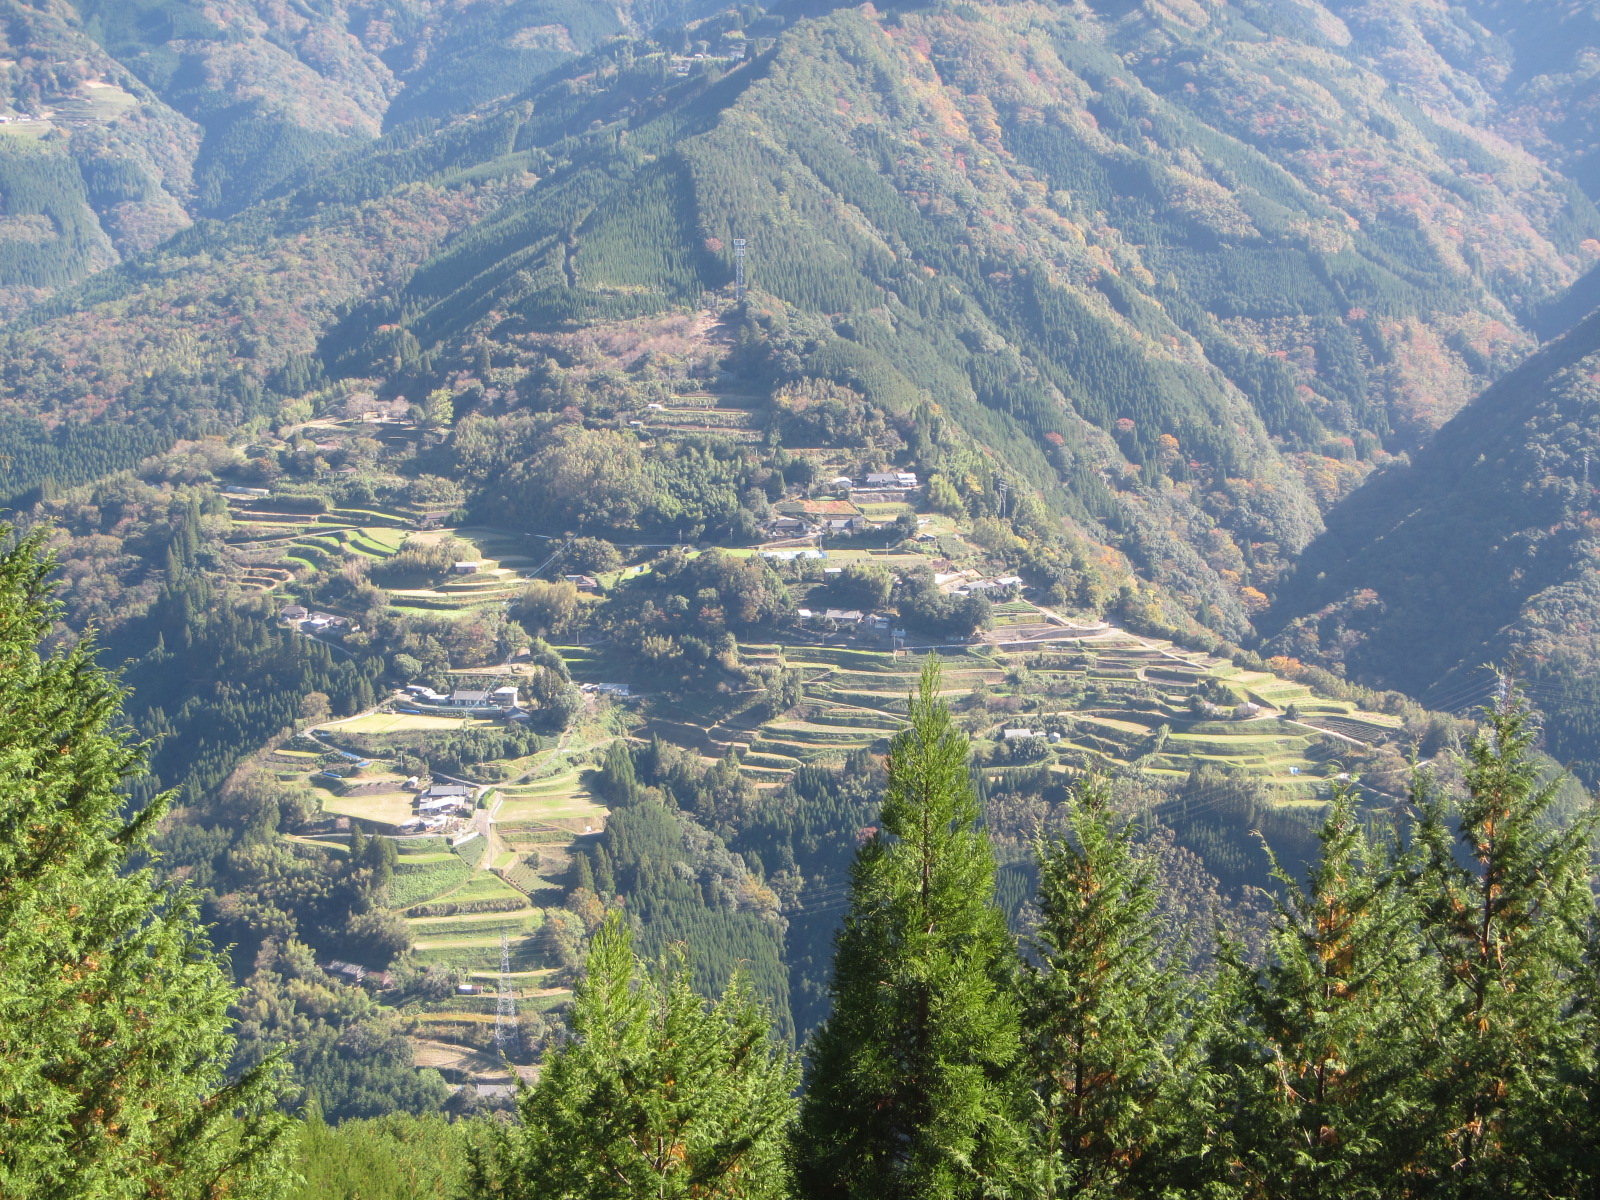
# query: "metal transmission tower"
(738, 269)
(505, 1019)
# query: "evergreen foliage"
(682, 885)
(393, 1157)
(660, 1093)
(912, 1083)
(114, 1034)
(811, 833)
(1508, 902)
(1108, 1015)
(1323, 1057)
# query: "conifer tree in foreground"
(1105, 1015)
(114, 1034)
(912, 1084)
(1323, 1055)
(1507, 904)
(661, 1094)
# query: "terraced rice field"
(382, 722)
(1113, 699)
(269, 544)
(471, 940)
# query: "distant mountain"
(1179, 273)
(127, 121)
(1484, 550)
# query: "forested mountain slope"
(1188, 272)
(1481, 550)
(364, 355)
(125, 122)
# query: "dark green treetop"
(1325, 1052)
(1508, 902)
(114, 1032)
(660, 1093)
(1106, 1012)
(912, 1084)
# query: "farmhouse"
(900, 481)
(584, 583)
(1016, 735)
(469, 699)
(294, 612)
(443, 804)
(350, 971)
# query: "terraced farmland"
(559, 802)
(268, 544)
(736, 417)
(1095, 697)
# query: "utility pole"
(738, 269)
(505, 1018)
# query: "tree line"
(1422, 1025)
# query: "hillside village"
(484, 850)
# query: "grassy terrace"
(1113, 698)
(269, 544)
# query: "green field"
(418, 881)
(560, 801)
